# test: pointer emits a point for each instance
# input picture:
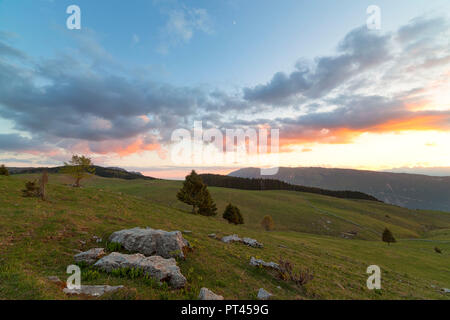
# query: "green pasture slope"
(39, 238)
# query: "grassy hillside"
(38, 239)
(414, 191)
(295, 211)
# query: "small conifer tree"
(388, 236)
(233, 215)
(195, 193)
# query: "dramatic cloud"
(360, 50)
(83, 100)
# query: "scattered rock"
(252, 243)
(212, 235)
(263, 294)
(156, 267)
(97, 239)
(151, 242)
(232, 238)
(95, 291)
(82, 242)
(206, 294)
(446, 290)
(187, 231)
(282, 246)
(248, 241)
(90, 256)
(261, 263)
(54, 279)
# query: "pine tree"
(388, 236)
(206, 206)
(233, 215)
(195, 193)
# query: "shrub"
(267, 223)
(233, 215)
(388, 236)
(31, 189)
(286, 273)
(113, 247)
(3, 171)
(89, 275)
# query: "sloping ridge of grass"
(39, 238)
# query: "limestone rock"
(248, 241)
(151, 242)
(206, 294)
(95, 291)
(232, 238)
(252, 243)
(90, 256)
(263, 294)
(261, 263)
(156, 267)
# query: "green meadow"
(39, 238)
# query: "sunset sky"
(340, 94)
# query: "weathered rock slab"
(248, 241)
(90, 256)
(156, 267)
(252, 243)
(232, 238)
(206, 294)
(261, 263)
(151, 242)
(263, 294)
(95, 291)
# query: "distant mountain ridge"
(412, 191)
(110, 172)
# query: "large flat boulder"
(90, 256)
(156, 267)
(151, 242)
